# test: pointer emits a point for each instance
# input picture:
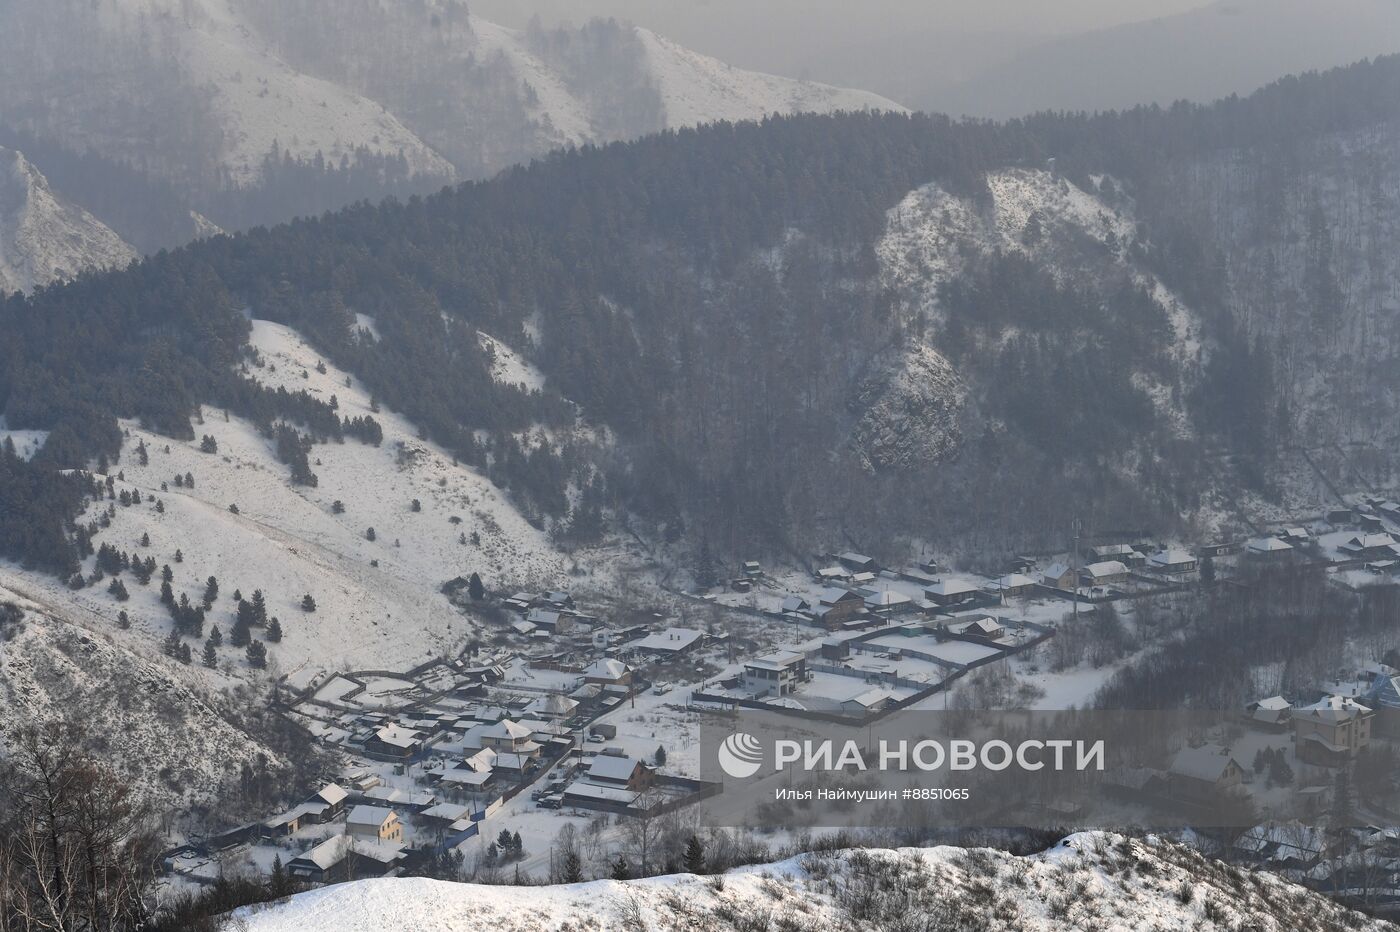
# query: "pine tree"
(695, 855)
(257, 655)
(475, 588)
(660, 756)
(216, 637)
(337, 507)
(621, 870)
(240, 636)
(211, 592)
(166, 573)
(274, 631)
(123, 620)
(118, 590)
(171, 645)
(259, 608)
(308, 604)
(211, 654)
(573, 867)
(277, 884)
(416, 506)
(369, 534)
(167, 595)
(185, 655)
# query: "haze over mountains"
(250, 111)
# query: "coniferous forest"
(712, 297)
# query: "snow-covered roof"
(671, 640)
(871, 697)
(794, 603)
(1105, 568)
(1057, 571)
(612, 794)
(611, 767)
(606, 668)
(331, 794)
(505, 729)
(832, 594)
(776, 661)
(372, 816)
(552, 705)
(1207, 762)
(1011, 581)
(1171, 557)
(1268, 545)
(945, 587)
(396, 735)
(1333, 709)
(447, 812)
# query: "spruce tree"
(257, 655)
(211, 654)
(308, 604)
(621, 870)
(274, 631)
(211, 592)
(216, 637)
(475, 588)
(695, 855)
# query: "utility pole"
(1078, 529)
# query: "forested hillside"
(739, 305)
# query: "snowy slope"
(44, 239)
(1087, 881)
(698, 89)
(289, 542)
(176, 743)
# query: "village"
(575, 714)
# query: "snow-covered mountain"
(1087, 881)
(43, 238)
(200, 91)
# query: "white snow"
(44, 239)
(697, 89)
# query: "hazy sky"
(902, 48)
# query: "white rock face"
(44, 239)
(911, 404)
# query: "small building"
(1331, 731)
(947, 593)
(508, 737)
(795, 605)
(374, 823)
(1274, 713)
(1105, 573)
(394, 740)
(626, 772)
(1204, 773)
(552, 706)
(1011, 585)
(985, 628)
(1123, 553)
(344, 857)
(1269, 550)
(1173, 562)
(1058, 576)
(1369, 547)
(837, 606)
(775, 674)
(858, 562)
(752, 569)
(671, 642)
(869, 702)
(607, 671)
(833, 574)
(885, 601)
(1340, 517)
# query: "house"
(1295, 535)
(1204, 773)
(672, 642)
(1384, 696)
(1105, 573)
(444, 817)
(795, 605)
(608, 672)
(886, 602)
(1011, 585)
(549, 619)
(742, 584)
(374, 823)
(857, 562)
(343, 857)
(985, 628)
(833, 574)
(751, 569)
(1340, 517)
(521, 601)
(552, 706)
(1058, 576)
(1172, 562)
(775, 674)
(1369, 547)
(1268, 550)
(1122, 553)
(394, 740)
(836, 606)
(616, 770)
(560, 600)
(1331, 731)
(1274, 713)
(508, 737)
(949, 592)
(868, 702)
